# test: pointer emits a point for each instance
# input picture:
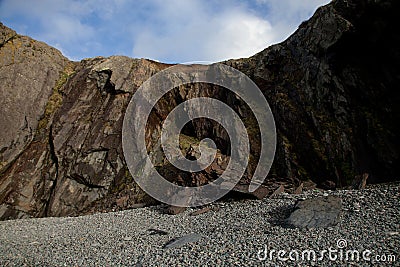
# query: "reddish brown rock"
(122, 202)
(29, 71)
(299, 189)
(174, 210)
(309, 185)
(200, 211)
(261, 192)
(278, 191)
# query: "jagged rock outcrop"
(28, 73)
(333, 90)
(76, 155)
(29, 70)
(332, 87)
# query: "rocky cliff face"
(331, 87)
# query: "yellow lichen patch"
(69, 69)
(55, 99)
(7, 53)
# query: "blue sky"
(172, 31)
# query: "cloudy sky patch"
(170, 31)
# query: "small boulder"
(181, 241)
(200, 211)
(317, 212)
(309, 185)
(299, 189)
(122, 201)
(278, 191)
(174, 210)
(260, 193)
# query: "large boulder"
(319, 212)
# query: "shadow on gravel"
(279, 215)
(153, 231)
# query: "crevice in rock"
(100, 149)
(54, 158)
(81, 180)
(104, 83)
(105, 160)
(53, 154)
(119, 92)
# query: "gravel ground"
(235, 235)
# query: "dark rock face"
(331, 87)
(317, 212)
(333, 90)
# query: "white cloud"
(191, 32)
(67, 29)
(58, 23)
(240, 35)
(173, 30)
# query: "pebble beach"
(232, 233)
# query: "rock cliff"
(332, 87)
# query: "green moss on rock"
(55, 100)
